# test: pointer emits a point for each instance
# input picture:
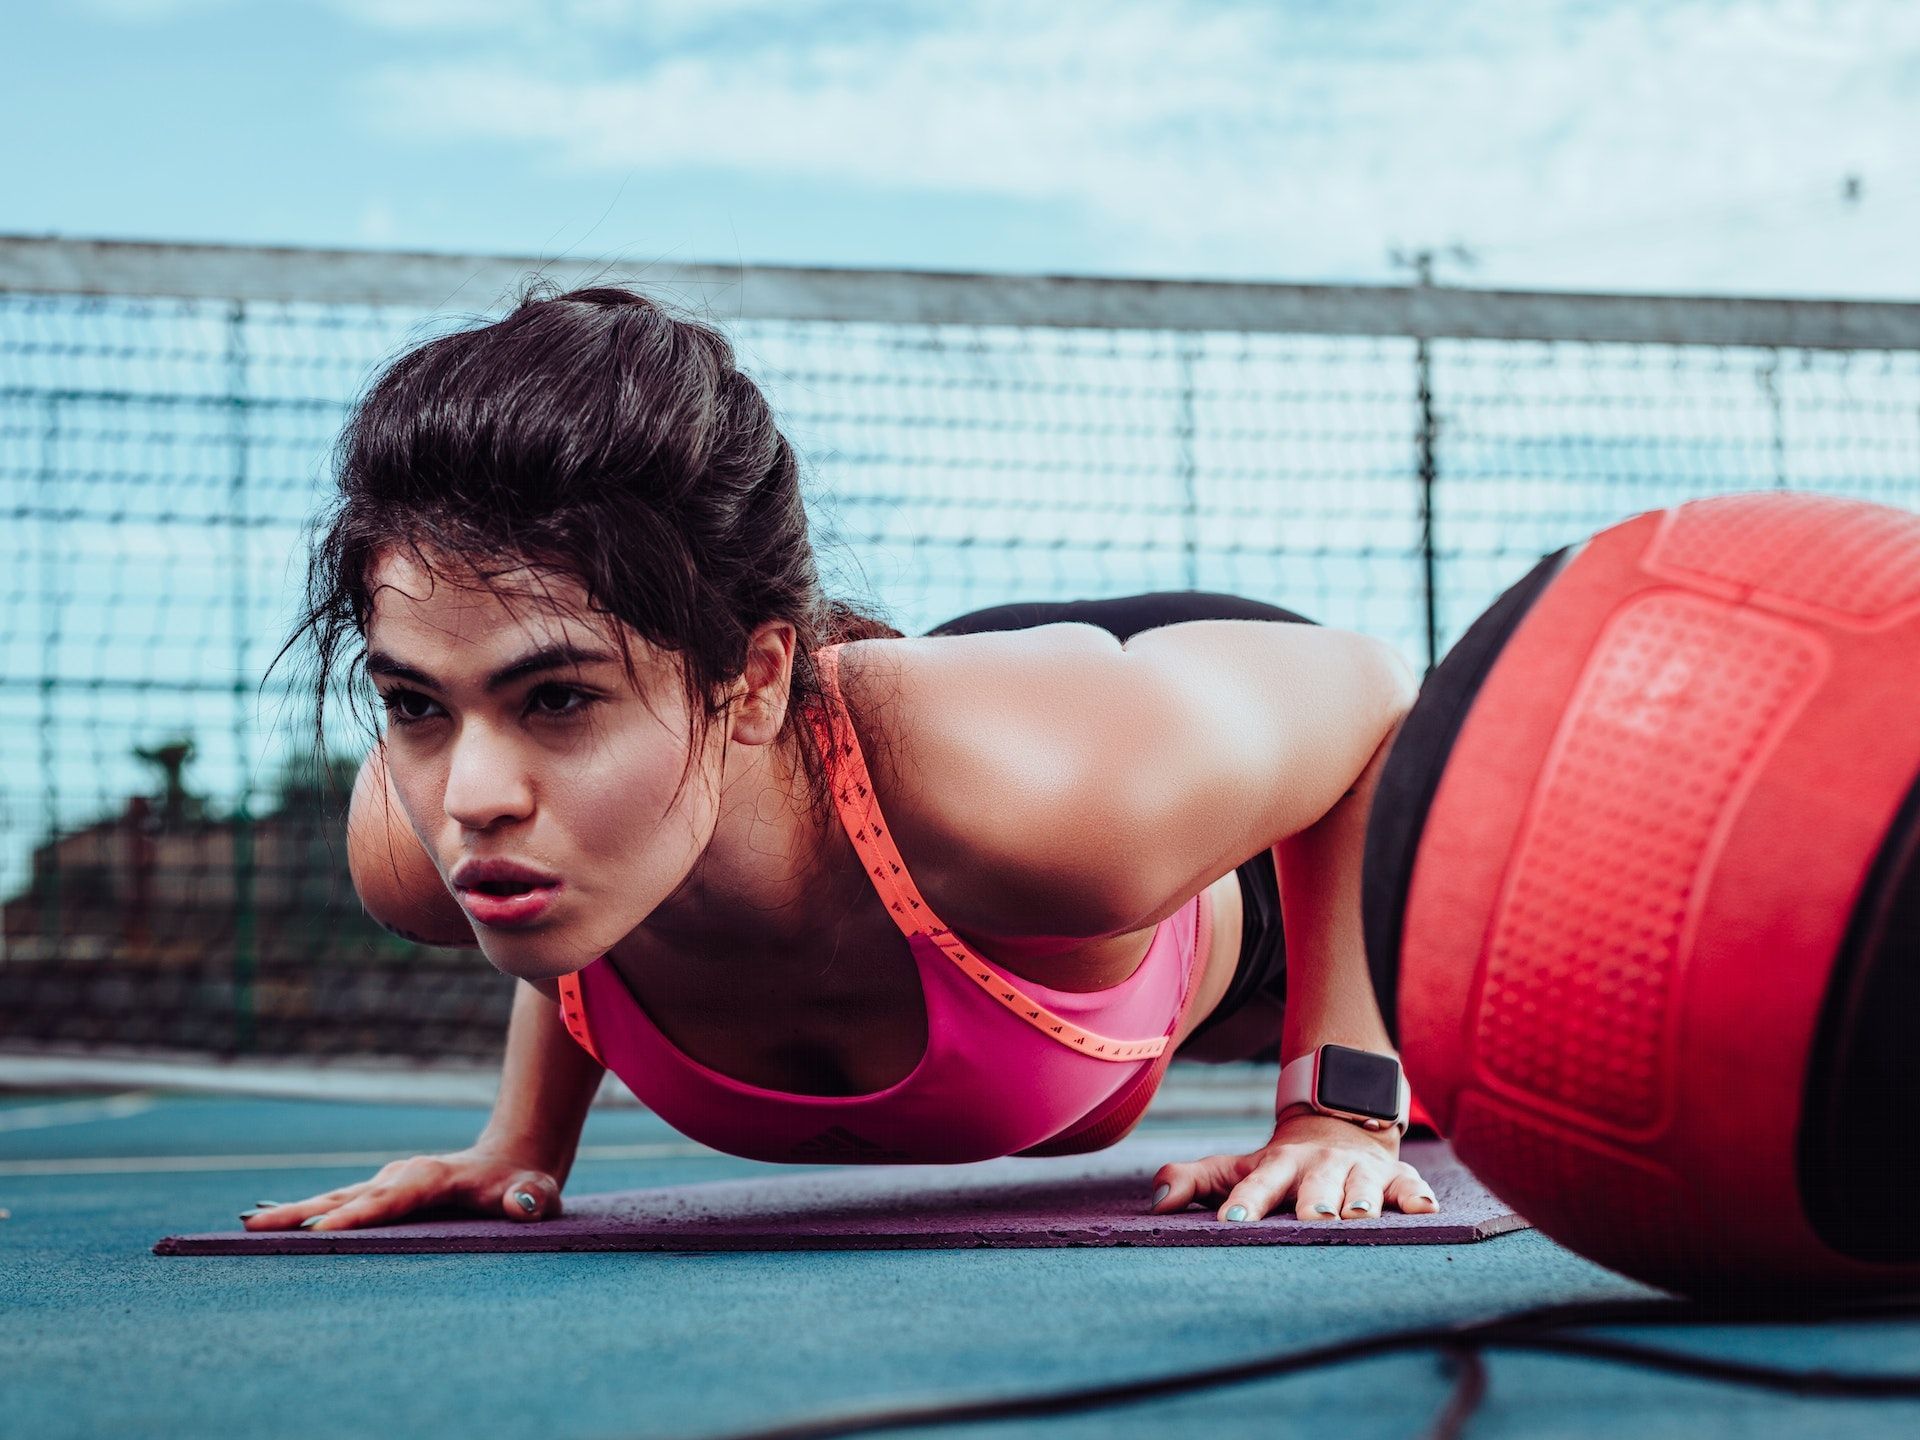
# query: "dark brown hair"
(595, 435)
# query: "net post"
(45, 885)
(1184, 351)
(245, 961)
(1423, 377)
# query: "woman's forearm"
(1330, 996)
(547, 1084)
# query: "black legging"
(1262, 965)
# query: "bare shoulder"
(980, 758)
(939, 713)
(1053, 781)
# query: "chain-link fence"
(172, 861)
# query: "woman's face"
(567, 770)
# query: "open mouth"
(508, 904)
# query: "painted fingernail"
(1359, 1205)
(1160, 1194)
(1237, 1212)
(311, 1221)
(249, 1214)
(1323, 1210)
(525, 1201)
(267, 1204)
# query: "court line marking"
(165, 1164)
(75, 1112)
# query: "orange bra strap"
(860, 814)
(573, 1010)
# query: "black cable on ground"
(1470, 1386)
(1517, 1330)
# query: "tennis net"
(171, 855)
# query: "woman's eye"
(556, 706)
(395, 700)
(563, 693)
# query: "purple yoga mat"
(1097, 1199)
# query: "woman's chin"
(530, 959)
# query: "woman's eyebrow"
(551, 658)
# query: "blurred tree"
(170, 757)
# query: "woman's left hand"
(1331, 1168)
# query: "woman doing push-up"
(815, 891)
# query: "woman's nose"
(485, 783)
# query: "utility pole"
(1421, 263)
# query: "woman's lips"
(508, 912)
(475, 873)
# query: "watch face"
(1361, 1081)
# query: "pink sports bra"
(1011, 1066)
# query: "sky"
(1720, 146)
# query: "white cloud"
(1215, 137)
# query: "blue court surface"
(100, 1337)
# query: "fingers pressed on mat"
(1262, 1191)
(1322, 1190)
(530, 1196)
(369, 1207)
(1362, 1192)
(1186, 1183)
(273, 1215)
(1410, 1192)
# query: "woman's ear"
(761, 706)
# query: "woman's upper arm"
(1122, 779)
(1263, 726)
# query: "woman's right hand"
(481, 1178)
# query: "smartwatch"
(1363, 1086)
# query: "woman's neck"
(775, 871)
